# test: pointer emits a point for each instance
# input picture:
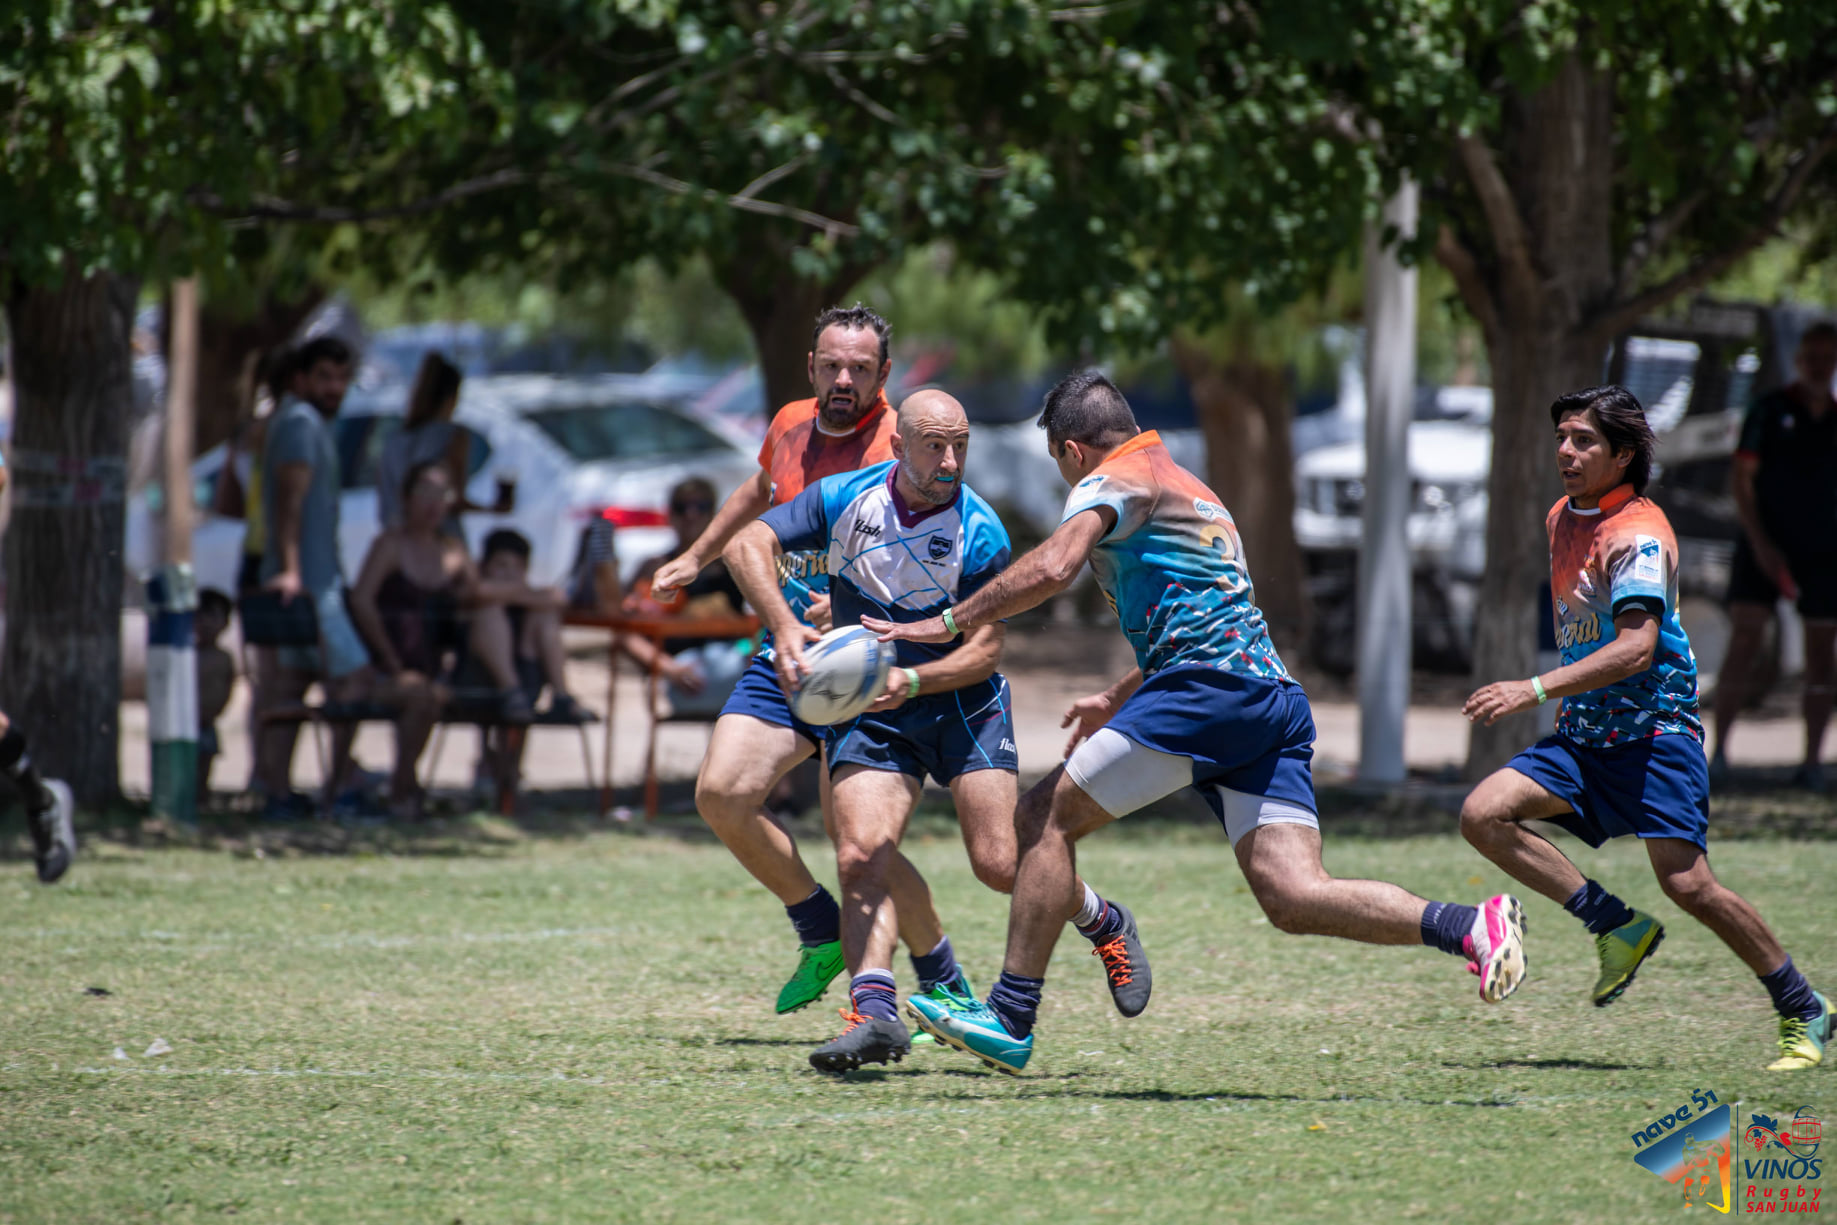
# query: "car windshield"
(592, 432)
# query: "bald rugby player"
(757, 740)
(904, 540)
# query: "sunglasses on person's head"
(690, 508)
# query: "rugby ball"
(845, 672)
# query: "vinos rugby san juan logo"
(1769, 1162)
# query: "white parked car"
(577, 447)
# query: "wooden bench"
(466, 707)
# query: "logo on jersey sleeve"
(1209, 511)
(1648, 559)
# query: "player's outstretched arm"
(1630, 653)
(975, 660)
(1036, 577)
(752, 559)
(745, 504)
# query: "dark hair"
(277, 371)
(436, 383)
(851, 318)
(506, 540)
(327, 348)
(1623, 425)
(1086, 407)
(417, 472)
(693, 484)
(212, 600)
(1823, 330)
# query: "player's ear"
(810, 367)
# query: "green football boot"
(817, 967)
(1622, 951)
(1802, 1042)
(959, 992)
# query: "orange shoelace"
(853, 1018)
(1115, 960)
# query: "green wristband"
(912, 682)
(950, 622)
(1537, 687)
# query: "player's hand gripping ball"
(845, 672)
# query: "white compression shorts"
(1123, 776)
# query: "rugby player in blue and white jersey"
(903, 540)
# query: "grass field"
(578, 1027)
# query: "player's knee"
(1285, 907)
(995, 871)
(1483, 813)
(859, 861)
(1690, 891)
(719, 803)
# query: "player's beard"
(933, 492)
(841, 420)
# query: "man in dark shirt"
(1785, 485)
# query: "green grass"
(578, 1027)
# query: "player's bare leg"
(1490, 820)
(746, 758)
(872, 808)
(1282, 864)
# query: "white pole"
(172, 662)
(1384, 558)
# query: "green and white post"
(172, 692)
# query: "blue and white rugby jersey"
(888, 561)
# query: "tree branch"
(1455, 256)
(1656, 233)
(1502, 216)
(764, 208)
(771, 176)
(860, 99)
(272, 208)
(1616, 318)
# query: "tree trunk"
(1244, 408)
(1557, 158)
(60, 680)
(780, 307)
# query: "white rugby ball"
(845, 672)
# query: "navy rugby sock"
(1445, 926)
(1599, 910)
(872, 993)
(1016, 1000)
(817, 918)
(1792, 995)
(937, 966)
(1107, 926)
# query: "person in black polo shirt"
(1786, 492)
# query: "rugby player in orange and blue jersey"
(1209, 706)
(756, 742)
(1627, 756)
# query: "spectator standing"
(430, 435)
(300, 488)
(1785, 485)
